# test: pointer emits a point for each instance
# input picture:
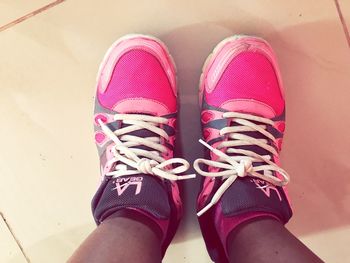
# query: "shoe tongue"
(142, 133)
(251, 195)
(253, 148)
(136, 192)
(251, 106)
(255, 108)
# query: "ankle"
(135, 219)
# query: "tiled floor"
(48, 164)
(12, 10)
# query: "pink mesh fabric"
(250, 75)
(138, 74)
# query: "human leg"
(120, 239)
(267, 240)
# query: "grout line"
(14, 237)
(29, 15)
(342, 20)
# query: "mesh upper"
(138, 74)
(250, 75)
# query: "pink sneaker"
(135, 118)
(243, 113)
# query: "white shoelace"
(143, 161)
(241, 165)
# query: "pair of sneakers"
(242, 115)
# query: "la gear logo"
(266, 187)
(121, 184)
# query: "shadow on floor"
(315, 153)
(314, 72)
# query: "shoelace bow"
(241, 164)
(143, 161)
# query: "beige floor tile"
(327, 241)
(13, 9)
(48, 162)
(9, 250)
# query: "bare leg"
(120, 239)
(267, 240)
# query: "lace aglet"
(205, 209)
(205, 144)
(216, 151)
(187, 176)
